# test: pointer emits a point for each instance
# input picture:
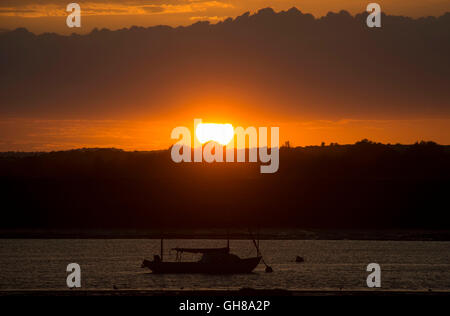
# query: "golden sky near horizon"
(53, 135)
(49, 16)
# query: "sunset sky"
(130, 96)
(49, 15)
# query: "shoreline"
(265, 234)
(231, 293)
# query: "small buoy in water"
(269, 269)
(299, 259)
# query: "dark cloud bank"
(331, 67)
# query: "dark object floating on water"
(269, 269)
(115, 287)
(213, 261)
(299, 259)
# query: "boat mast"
(161, 248)
(257, 241)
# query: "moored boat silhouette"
(213, 261)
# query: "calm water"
(41, 264)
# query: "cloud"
(208, 18)
(33, 9)
(154, 9)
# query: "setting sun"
(220, 133)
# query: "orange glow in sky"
(49, 16)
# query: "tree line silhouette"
(364, 185)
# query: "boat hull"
(242, 266)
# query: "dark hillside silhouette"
(365, 185)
